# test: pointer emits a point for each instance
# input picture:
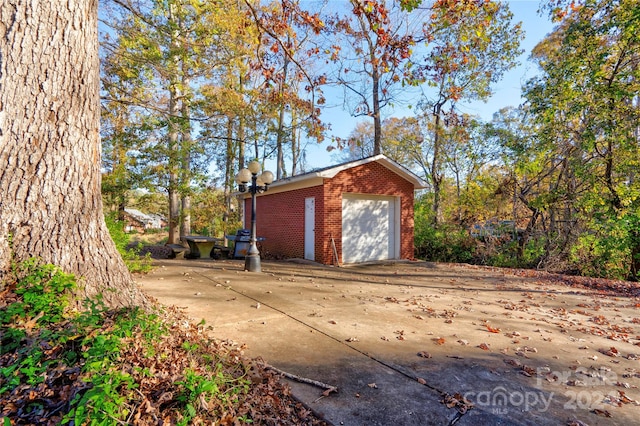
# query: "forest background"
(192, 90)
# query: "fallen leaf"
(483, 346)
(424, 354)
(612, 352)
(602, 413)
(513, 362)
(491, 329)
(439, 341)
(458, 401)
(373, 386)
(422, 381)
(528, 371)
(623, 398)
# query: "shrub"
(444, 244)
(131, 256)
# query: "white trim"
(315, 178)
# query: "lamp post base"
(252, 263)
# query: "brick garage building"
(360, 211)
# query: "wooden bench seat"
(177, 251)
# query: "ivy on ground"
(102, 366)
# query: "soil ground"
(415, 343)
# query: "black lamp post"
(259, 183)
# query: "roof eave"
(316, 178)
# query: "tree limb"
(328, 388)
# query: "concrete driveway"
(414, 343)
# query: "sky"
(506, 93)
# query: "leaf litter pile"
(129, 366)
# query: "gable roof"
(138, 215)
(316, 177)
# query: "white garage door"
(369, 228)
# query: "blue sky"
(506, 93)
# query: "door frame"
(310, 228)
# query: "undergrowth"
(100, 366)
(132, 258)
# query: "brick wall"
(280, 216)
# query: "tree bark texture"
(51, 205)
(436, 175)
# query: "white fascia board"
(317, 178)
(305, 181)
(386, 162)
(418, 183)
(296, 182)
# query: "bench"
(177, 251)
(218, 251)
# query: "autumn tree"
(470, 45)
(586, 103)
(468, 153)
(290, 84)
(171, 48)
(124, 126)
(51, 206)
(399, 141)
(370, 46)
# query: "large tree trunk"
(229, 181)
(51, 205)
(187, 146)
(295, 143)
(377, 121)
(174, 168)
(280, 134)
(436, 172)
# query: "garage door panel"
(368, 228)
